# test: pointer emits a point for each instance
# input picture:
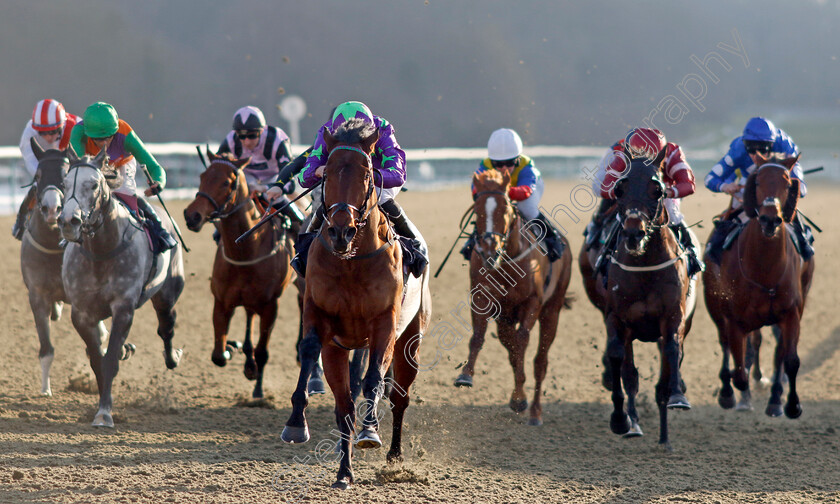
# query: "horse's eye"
(619, 190)
(233, 184)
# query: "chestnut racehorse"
(647, 297)
(355, 298)
(511, 274)
(762, 280)
(252, 274)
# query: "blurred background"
(445, 73)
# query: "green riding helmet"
(101, 120)
(349, 110)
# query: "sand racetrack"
(186, 436)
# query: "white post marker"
(293, 109)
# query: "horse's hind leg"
(548, 331)
(250, 369)
(41, 312)
(164, 304)
(357, 366)
(267, 318)
(619, 420)
(296, 430)
(479, 324)
(405, 371)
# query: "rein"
(251, 262)
(219, 213)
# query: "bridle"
(362, 212)
(87, 227)
(651, 223)
(51, 187)
(219, 212)
(504, 237)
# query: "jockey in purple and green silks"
(101, 128)
(388, 173)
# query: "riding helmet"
(349, 110)
(48, 115)
(759, 129)
(248, 118)
(100, 120)
(504, 144)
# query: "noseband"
(490, 234)
(651, 223)
(219, 210)
(362, 212)
(87, 227)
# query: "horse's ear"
(242, 162)
(789, 211)
(101, 158)
(210, 156)
(370, 142)
(790, 162)
(329, 139)
(70, 153)
(750, 203)
(506, 178)
(36, 148)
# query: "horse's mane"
(353, 131)
(227, 156)
(113, 177)
(490, 178)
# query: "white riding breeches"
(530, 207)
(128, 171)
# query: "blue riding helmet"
(759, 129)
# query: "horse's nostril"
(349, 233)
(331, 232)
(75, 221)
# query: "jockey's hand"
(669, 192)
(731, 188)
(320, 171)
(153, 190)
(273, 193)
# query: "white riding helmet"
(504, 144)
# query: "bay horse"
(252, 274)
(762, 280)
(510, 271)
(355, 298)
(109, 270)
(648, 297)
(41, 254)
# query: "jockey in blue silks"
(761, 141)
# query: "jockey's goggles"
(245, 134)
(762, 148)
(504, 162)
(56, 131)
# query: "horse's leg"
(357, 366)
(630, 377)
(515, 343)
(166, 315)
(662, 396)
(619, 420)
(248, 347)
(296, 430)
(549, 318)
(789, 326)
(740, 377)
(267, 318)
(726, 396)
(671, 354)
(121, 319)
(777, 356)
(89, 330)
(336, 370)
(41, 310)
(479, 323)
(373, 387)
(405, 371)
(221, 324)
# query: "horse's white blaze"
(489, 207)
(51, 202)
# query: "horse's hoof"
(666, 447)
(315, 386)
(251, 371)
(341, 484)
(744, 405)
(128, 350)
(257, 393)
(536, 422)
(233, 347)
(394, 457)
(221, 360)
(47, 392)
(635, 431)
(678, 401)
(103, 420)
(368, 438)
(464, 380)
(518, 406)
(620, 423)
(763, 384)
(793, 410)
(773, 410)
(172, 358)
(726, 401)
(295, 435)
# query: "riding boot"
(804, 236)
(714, 247)
(553, 243)
(25, 206)
(161, 239)
(593, 230)
(694, 264)
(295, 217)
(468, 247)
(304, 240)
(404, 227)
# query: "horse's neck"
(516, 242)
(43, 233)
(109, 234)
(762, 254)
(234, 225)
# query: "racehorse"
(41, 255)
(355, 298)
(647, 297)
(761, 280)
(109, 270)
(252, 274)
(509, 271)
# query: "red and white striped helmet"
(48, 115)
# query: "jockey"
(678, 177)
(50, 126)
(760, 142)
(101, 128)
(504, 150)
(389, 174)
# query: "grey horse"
(110, 271)
(41, 255)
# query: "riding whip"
(464, 224)
(267, 217)
(174, 226)
(201, 156)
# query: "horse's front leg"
(373, 387)
(121, 319)
(221, 324)
(296, 430)
(671, 352)
(630, 377)
(619, 420)
(479, 324)
(267, 318)
(250, 369)
(41, 310)
(790, 340)
(337, 371)
(89, 330)
(166, 315)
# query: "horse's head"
(222, 190)
(348, 192)
(772, 185)
(494, 214)
(87, 194)
(52, 167)
(640, 196)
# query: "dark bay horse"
(252, 274)
(355, 298)
(109, 270)
(648, 297)
(762, 280)
(510, 272)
